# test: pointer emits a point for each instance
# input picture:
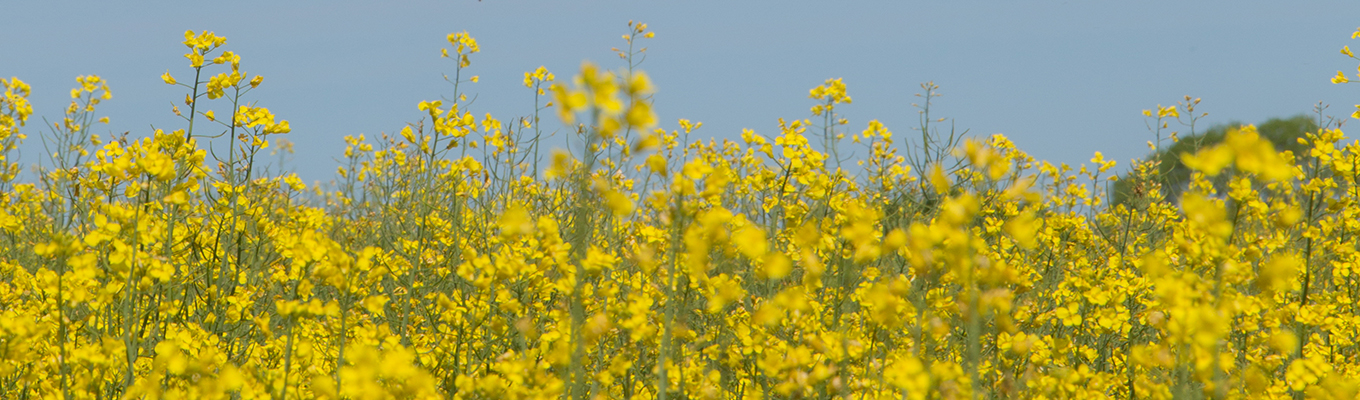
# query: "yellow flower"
(619, 203)
(776, 266)
(195, 59)
(1068, 315)
(178, 197)
(1210, 161)
(640, 115)
(640, 84)
(751, 242)
(463, 42)
(1279, 274)
(939, 180)
(1023, 228)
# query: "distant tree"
(1175, 176)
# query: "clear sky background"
(1062, 79)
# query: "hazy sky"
(1062, 79)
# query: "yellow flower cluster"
(646, 264)
(1341, 76)
(14, 112)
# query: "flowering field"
(448, 261)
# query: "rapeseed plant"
(445, 262)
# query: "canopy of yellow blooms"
(446, 262)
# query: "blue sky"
(1062, 79)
